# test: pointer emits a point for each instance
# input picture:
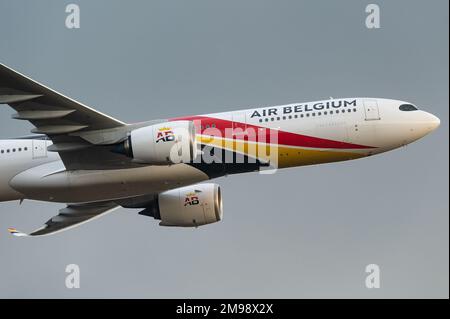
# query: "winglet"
(15, 232)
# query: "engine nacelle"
(189, 206)
(161, 144)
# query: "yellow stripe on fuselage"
(284, 156)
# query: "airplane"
(95, 164)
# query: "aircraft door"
(371, 110)
(39, 148)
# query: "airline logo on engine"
(165, 134)
(191, 199)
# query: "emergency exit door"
(39, 148)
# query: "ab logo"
(165, 134)
(191, 199)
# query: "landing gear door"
(39, 148)
(371, 110)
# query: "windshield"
(407, 107)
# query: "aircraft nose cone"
(433, 122)
(422, 124)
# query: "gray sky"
(303, 232)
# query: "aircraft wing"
(73, 127)
(69, 217)
(49, 111)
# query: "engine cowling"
(189, 206)
(161, 144)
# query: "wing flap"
(15, 98)
(41, 115)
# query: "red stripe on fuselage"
(283, 138)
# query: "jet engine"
(161, 144)
(189, 206)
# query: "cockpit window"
(407, 107)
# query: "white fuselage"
(369, 126)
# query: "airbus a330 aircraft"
(96, 163)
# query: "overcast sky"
(303, 232)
